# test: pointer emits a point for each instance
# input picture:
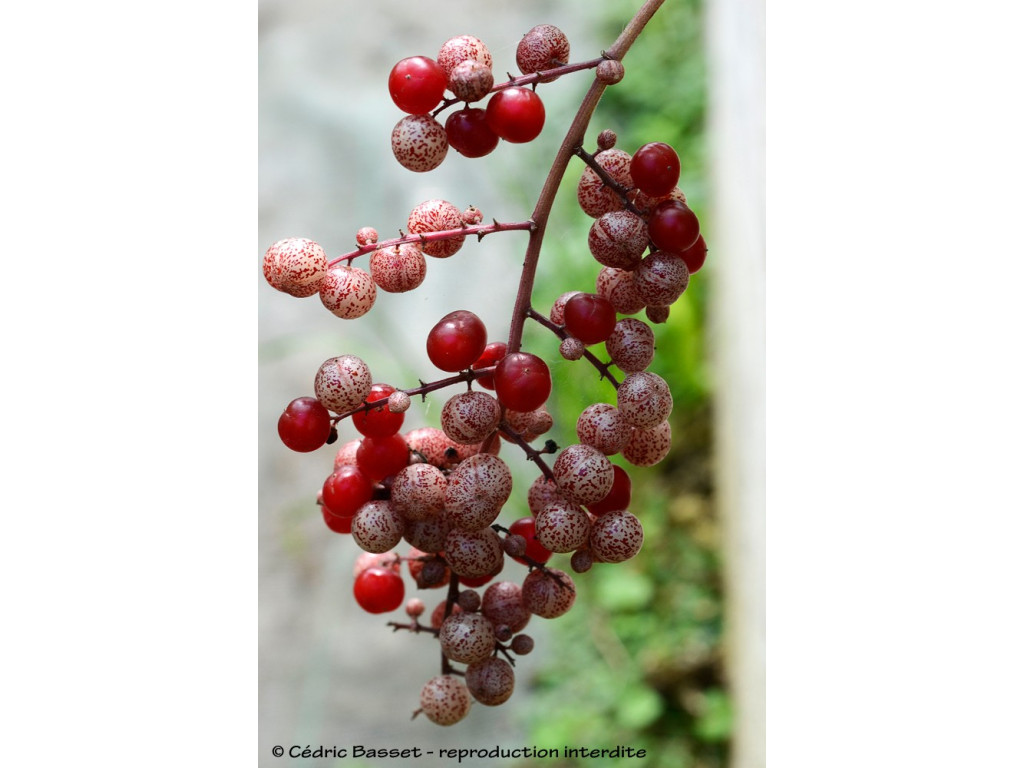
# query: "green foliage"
(639, 656)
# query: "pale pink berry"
(399, 268)
(366, 236)
(644, 399)
(616, 536)
(419, 143)
(427, 535)
(399, 402)
(470, 80)
(469, 417)
(631, 345)
(342, 383)
(417, 491)
(548, 593)
(466, 637)
(437, 216)
(434, 446)
(618, 239)
(618, 287)
(472, 215)
(346, 455)
(593, 196)
(414, 608)
(557, 313)
(472, 554)
(661, 278)
(562, 526)
(377, 526)
(647, 447)
(602, 426)
(610, 72)
(543, 47)
(295, 265)
(445, 700)
(503, 604)
(491, 681)
(348, 292)
(463, 48)
(541, 493)
(477, 489)
(571, 348)
(583, 473)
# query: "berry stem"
(531, 453)
(573, 140)
(480, 230)
(468, 375)
(608, 181)
(603, 368)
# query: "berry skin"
(491, 681)
(602, 426)
(463, 48)
(655, 169)
(417, 84)
(466, 637)
(469, 417)
(631, 345)
(471, 80)
(445, 700)
(492, 353)
(295, 265)
(379, 421)
(503, 604)
(584, 474)
(673, 226)
(348, 292)
(618, 239)
(522, 381)
(647, 447)
(557, 313)
(516, 114)
(437, 216)
(469, 134)
(644, 399)
(378, 590)
(474, 554)
(543, 47)
(417, 491)
(589, 318)
(527, 528)
(335, 523)
(695, 255)
(619, 287)
(610, 72)
(419, 143)
(456, 341)
(345, 491)
(476, 491)
(563, 527)
(616, 536)
(398, 269)
(548, 594)
(661, 278)
(377, 527)
(342, 383)
(305, 425)
(591, 193)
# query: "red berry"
(522, 381)
(695, 255)
(526, 527)
(492, 353)
(457, 341)
(346, 490)
(655, 168)
(516, 114)
(673, 226)
(618, 497)
(469, 134)
(589, 318)
(336, 523)
(305, 425)
(378, 458)
(378, 421)
(417, 84)
(378, 590)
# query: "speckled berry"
(477, 489)
(543, 47)
(618, 239)
(644, 399)
(399, 402)
(342, 383)
(399, 268)
(445, 700)
(295, 265)
(562, 527)
(602, 426)
(437, 216)
(473, 553)
(348, 292)
(377, 526)
(427, 535)
(419, 143)
(631, 345)
(657, 314)
(469, 417)
(548, 593)
(491, 681)
(466, 637)
(463, 48)
(647, 447)
(366, 236)
(530, 424)
(417, 491)
(618, 287)
(571, 348)
(616, 536)
(471, 80)
(503, 604)
(610, 72)
(661, 278)
(593, 196)
(541, 493)
(583, 473)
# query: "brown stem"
(573, 139)
(468, 375)
(602, 368)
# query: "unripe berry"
(543, 47)
(571, 348)
(610, 72)
(469, 600)
(348, 292)
(606, 139)
(618, 239)
(563, 527)
(366, 236)
(472, 554)
(548, 593)
(295, 265)
(581, 561)
(644, 399)
(377, 526)
(342, 383)
(647, 447)
(657, 314)
(490, 681)
(399, 402)
(417, 491)
(469, 417)
(462, 48)
(602, 426)
(471, 80)
(616, 536)
(398, 269)
(661, 278)
(477, 489)
(583, 473)
(593, 196)
(445, 700)
(437, 216)
(521, 645)
(618, 286)
(414, 608)
(419, 143)
(631, 345)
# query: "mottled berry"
(661, 278)
(472, 554)
(631, 345)
(342, 383)
(469, 417)
(295, 265)
(616, 536)
(462, 48)
(618, 239)
(477, 489)
(491, 681)
(647, 447)
(562, 526)
(471, 80)
(377, 526)
(437, 216)
(543, 47)
(445, 700)
(466, 637)
(619, 287)
(644, 399)
(593, 196)
(419, 143)
(583, 473)
(399, 268)
(601, 425)
(548, 593)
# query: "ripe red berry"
(417, 84)
(695, 255)
(655, 168)
(522, 381)
(526, 527)
(378, 421)
(378, 458)
(589, 318)
(673, 226)
(305, 425)
(335, 523)
(469, 134)
(457, 341)
(492, 353)
(346, 490)
(516, 114)
(378, 590)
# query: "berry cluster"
(425, 504)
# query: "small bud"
(503, 633)
(514, 545)
(522, 644)
(581, 561)
(469, 600)
(398, 402)
(571, 348)
(610, 71)
(606, 139)
(657, 314)
(414, 607)
(366, 236)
